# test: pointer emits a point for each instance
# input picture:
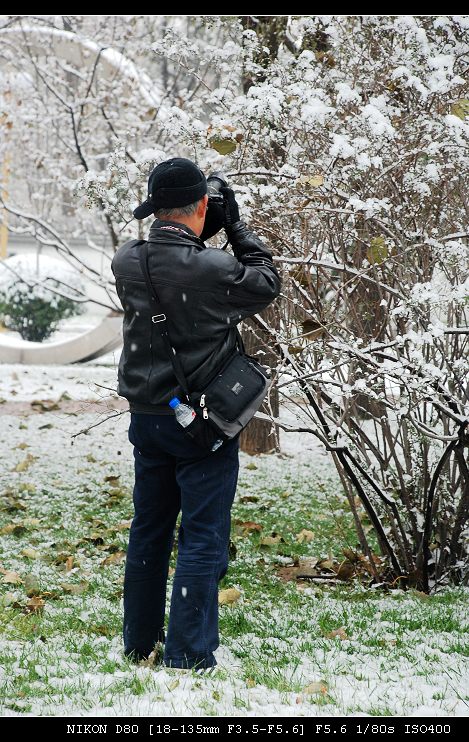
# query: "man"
(205, 293)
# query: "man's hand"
(231, 207)
(243, 241)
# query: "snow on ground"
(84, 381)
(412, 671)
(26, 383)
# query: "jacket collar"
(163, 227)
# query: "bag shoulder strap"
(159, 319)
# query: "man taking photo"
(205, 293)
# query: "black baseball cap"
(172, 183)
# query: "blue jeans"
(173, 474)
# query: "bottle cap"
(174, 402)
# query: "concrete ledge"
(96, 342)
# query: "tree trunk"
(260, 436)
(367, 320)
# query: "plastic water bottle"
(184, 413)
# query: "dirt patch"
(67, 407)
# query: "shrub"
(36, 292)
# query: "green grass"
(68, 659)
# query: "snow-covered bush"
(346, 139)
(36, 292)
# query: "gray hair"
(178, 211)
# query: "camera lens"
(215, 181)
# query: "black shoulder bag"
(231, 397)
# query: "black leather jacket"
(205, 293)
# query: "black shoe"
(136, 656)
(146, 658)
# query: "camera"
(215, 216)
(215, 181)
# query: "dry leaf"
(12, 504)
(419, 594)
(31, 585)
(95, 539)
(154, 658)
(301, 274)
(326, 564)
(325, 58)
(228, 596)
(113, 480)
(339, 633)
(25, 464)
(69, 563)
(312, 329)
(248, 526)
(223, 146)
(319, 687)
(275, 538)
(123, 525)
(27, 487)
(32, 522)
(461, 108)
(346, 570)
(116, 558)
(377, 251)
(288, 573)
(250, 683)
(224, 142)
(13, 529)
(60, 559)
(250, 466)
(35, 605)
(351, 555)
(305, 536)
(117, 493)
(74, 589)
(12, 578)
(31, 553)
(100, 629)
(310, 181)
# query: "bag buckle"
(155, 318)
